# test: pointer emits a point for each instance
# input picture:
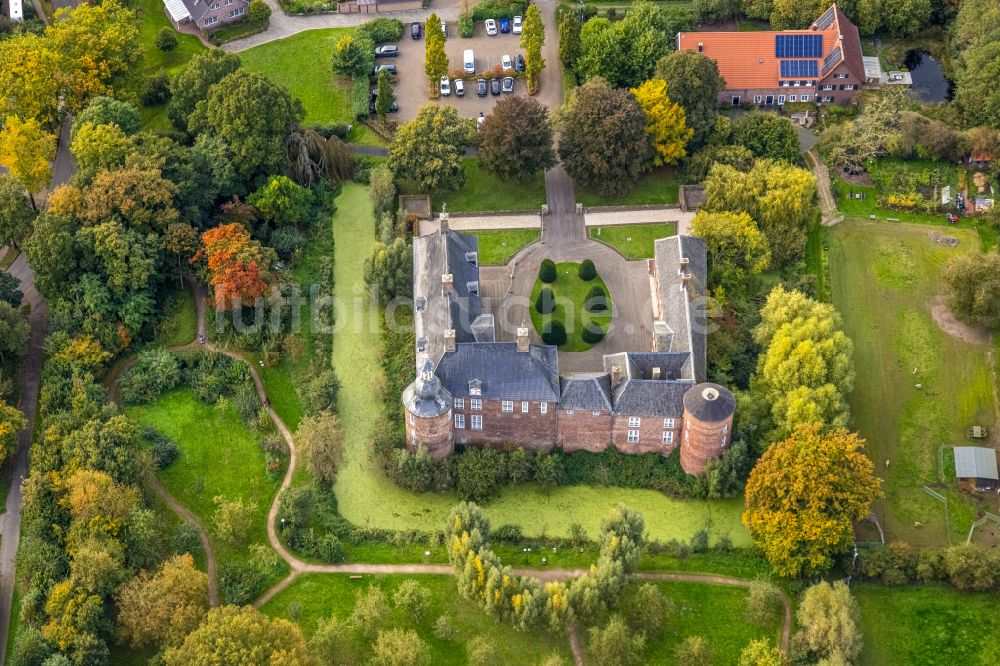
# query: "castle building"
(474, 389)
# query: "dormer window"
(473, 287)
(420, 303)
(421, 345)
(472, 258)
(475, 387)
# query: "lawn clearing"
(497, 247)
(314, 597)
(634, 241)
(927, 624)
(180, 324)
(367, 498)
(659, 186)
(885, 278)
(570, 298)
(699, 611)
(218, 456)
(485, 192)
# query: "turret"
(427, 407)
(708, 425)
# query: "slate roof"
(425, 397)
(197, 8)
(683, 308)
(505, 373)
(651, 397)
(710, 403)
(587, 393)
(975, 462)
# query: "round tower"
(428, 413)
(708, 425)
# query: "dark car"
(387, 51)
(385, 68)
(495, 86)
(505, 25)
(519, 63)
(481, 87)
(508, 84)
(416, 30)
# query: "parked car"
(491, 27)
(385, 68)
(374, 96)
(386, 51)
(505, 25)
(517, 25)
(480, 120)
(459, 87)
(444, 28)
(416, 30)
(506, 62)
(445, 86)
(519, 63)
(508, 84)
(481, 87)
(495, 86)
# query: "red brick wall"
(703, 442)
(650, 435)
(532, 430)
(840, 96)
(582, 431)
(433, 433)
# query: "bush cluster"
(965, 567)
(546, 301)
(163, 449)
(155, 372)
(597, 299)
(554, 333)
(359, 97)
(547, 271)
(383, 29)
(587, 270)
(592, 333)
(496, 9)
(155, 90)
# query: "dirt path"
(949, 323)
(827, 204)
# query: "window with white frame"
(239, 11)
(668, 437)
(228, 2)
(840, 76)
(460, 421)
(459, 403)
(756, 99)
(477, 422)
(828, 100)
(570, 412)
(850, 86)
(524, 406)
(211, 20)
(476, 404)
(633, 436)
(781, 99)
(793, 98)
(507, 406)
(543, 407)
(669, 424)
(826, 86)
(413, 438)
(804, 98)
(633, 421)
(596, 413)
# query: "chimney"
(444, 222)
(522, 338)
(685, 262)
(449, 339)
(616, 375)
(447, 283)
(656, 373)
(685, 280)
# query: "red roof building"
(822, 63)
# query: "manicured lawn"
(885, 278)
(483, 191)
(920, 625)
(698, 611)
(634, 241)
(301, 63)
(366, 497)
(497, 247)
(181, 324)
(218, 456)
(659, 186)
(315, 597)
(570, 297)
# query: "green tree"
(587, 270)
(166, 39)
(12, 420)
(789, 14)
(762, 603)
(10, 291)
(389, 271)
(109, 111)
(371, 611)
(625, 52)
(400, 647)
(803, 496)
(762, 653)
(31, 78)
(973, 284)
(413, 599)
(138, 198)
(694, 83)
(385, 97)
(532, 39)
(353, 56)
(737, 249)
(51, 253)
(16, 214)
(161, 609)
(428, 150)
(768, 135)
(14, 331)
(569, 39)
(515, 140)
(232, 519)
(603, 143)
(232, 636)
(693, 651)
(333, 642)
(715, 11)
(181, 239)
(435, 58)
(828, 616)
(259, 12)
(482, 651)
(99, 148)
(321, 441)
(253, 117)
(615, 644)
(281, 201)
(547, 271)
(665, 125)
(190, 85)
(27, 150)
(647, 610)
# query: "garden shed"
(978, 464)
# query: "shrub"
(587, 270)
(597, 299)
(259, 12)
(547, 271)
(546, 301)
(382, 29)
(554, 333)
(157, 371)
(166, 39)
(466, 26)
(320, 393)
(498, 9)
(592, 333)
(162, 448)
(156, 90)
(359, 97)
(241, 582)
(762, 602)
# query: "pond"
(929, 81)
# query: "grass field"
(483, 191)
(301, 63)
(365, 497)
(497, 247)
(634, 241)
(927, 625)
(885, 280)
(314, 597)
(218, 456)
(659, 186)
(570, 298)
(698, 609)
(180, 325)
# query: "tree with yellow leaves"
(738, 249)
(26, 150)
(30, 78)
(11, 421)
(161, 609)
(804, 495)
(666, 123)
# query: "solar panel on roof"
(825, 20)
(831, 61)
(798, 46)
(793, 69)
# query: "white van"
(470, 61)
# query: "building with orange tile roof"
(821, 64)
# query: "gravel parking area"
(411, 85)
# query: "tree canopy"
(768, 135)
(515, 140)
(973, 282)
(232, 636)
(737, 249)
(191, 85)
(665, 122)
(694, 82)
(238, 267)
(428, 150)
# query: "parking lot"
(411, 85)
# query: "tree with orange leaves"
(237, 265)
